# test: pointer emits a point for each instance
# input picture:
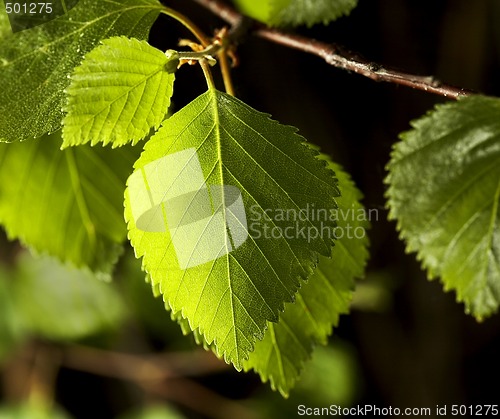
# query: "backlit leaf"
(203, 209)
(59, 302)
(120, 91)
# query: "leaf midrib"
(215, 110)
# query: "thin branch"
(196, 397)
(162, 375)
(337, 56)
(30, 374)
(226, 73)
(141, 368)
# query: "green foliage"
(262, 10)
(35, 63)
(331, 377)
(155, 412)
(41, 297)
(281, 355)
(67, 204)
(5, 29)
(229, 295)
(149, 312)
(233, 215)
(75, 303)
(444, 191)
(32, 410)
(296, 12)
(11, 327)
(120, 91)
(311, 12)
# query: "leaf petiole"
(208, 74)
(206, 55)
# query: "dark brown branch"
(141, 368)
(336, 55)
(161, 375)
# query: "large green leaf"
(35, 63)
(281, 355)
(58, 302)
(444, 191)
(68, 203)
(296, 12)
(120, 91)
(195, 210)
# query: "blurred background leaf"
(61, 303)
(155, 412)
(31, 411)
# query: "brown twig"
(141, 368)
(164, 375)
(337, 56)
(30, 374)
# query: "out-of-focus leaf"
(67, 204)
(32, 411)
(155, 412)
(11, 326)
(58, 302)
(213, 166)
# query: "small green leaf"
(75, 304)
(198, 207)
(120, 91)
(281, 355)
(67, 204)
(262, 10)
(444, 191)
(35, 63)
(312, 12)
(296, 12)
